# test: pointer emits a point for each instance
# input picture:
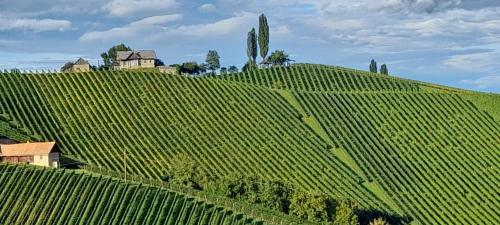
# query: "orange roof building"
(37, 153)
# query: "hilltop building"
(135, 59)
(81, 65)
(38, 153)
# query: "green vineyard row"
(38, 196)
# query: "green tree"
(276, 195)
(379, 221)
(383, 69)
(223, 70)
(279, 57)
(213, 60)
(345, 215)
(252, 46)
(109, 57)
(232, 69)
(373, 66)
(249, 66)
(313, 206)
(263, 36)
(185, 171)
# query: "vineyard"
(46, 196)
(101, 118)
(426, 151)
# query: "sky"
(450, 42)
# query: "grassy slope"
(227, 127)
(31, 195)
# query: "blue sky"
(451, 42)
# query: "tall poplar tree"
(252, 46)
(384, 70)
(373, 66)
(263, 36)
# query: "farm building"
(81, 65)
(135, 59)
(37, 153)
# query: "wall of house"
(17, 159)
(147, 63)
(41, 160)
(137, 64)
(81, 68)
(54, 159)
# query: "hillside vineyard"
(56, 197)
(415, 149)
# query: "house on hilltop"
(81, 65)
(135, 59)
(37, 153)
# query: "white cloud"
(207, 7)
(473, 62)
(36, 25)
(484, 82)
(157, 20)
(238, 23)
(158, 27)
(126, 8)
(133, 29)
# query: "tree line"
(276, 195)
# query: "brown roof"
(25, 149)
(81, 61)
(141, 54)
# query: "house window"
(41, 157)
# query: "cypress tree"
(383, 69)
(373, 66)
(252, 46)
(263, 36)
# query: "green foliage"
(32, 195)
(379, 221)
(192, 68)
(232, 69)
(383, 69)
(185, 171)
(213, 60)
(373, 66)
(276, 195)
(249, 66)
(279, 57)
(345, 215)
(313, 206)
(252, 45)
(109, 57)
(263, 36)
(223, 70)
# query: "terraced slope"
(433, 149)
(151, 117)
(435, 154)
(37, 196)
(310, 77)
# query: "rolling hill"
(410, 148)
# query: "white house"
(135, 59)
(37, 153)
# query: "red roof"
(27, 149)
